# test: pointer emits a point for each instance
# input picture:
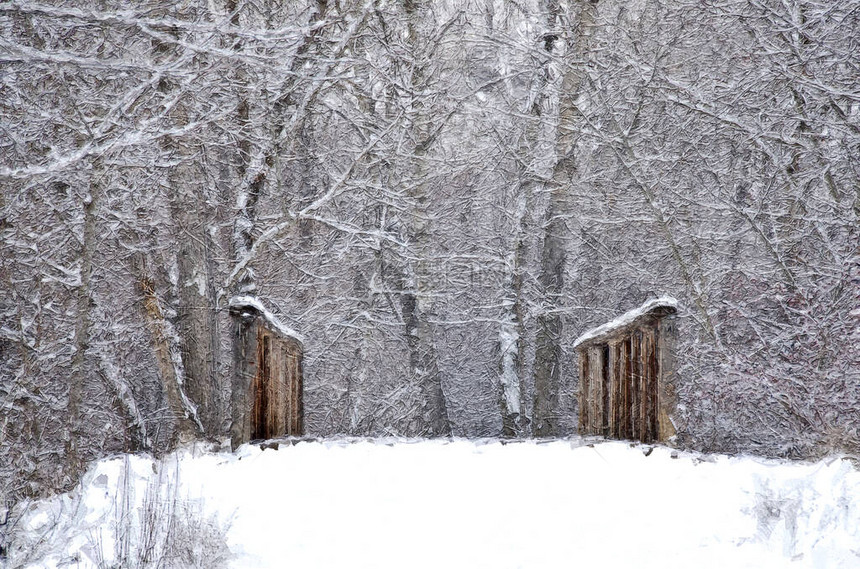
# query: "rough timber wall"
(624, 378)
(267, 392)
(276, 409)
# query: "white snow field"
(409, 504)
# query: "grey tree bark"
(565, 71)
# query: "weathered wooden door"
(619, 387)
(624, 364)
(277, 389)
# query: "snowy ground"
(452, 504)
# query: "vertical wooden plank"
(299, 390)
(621, 397)
(618, 388)
(266, 375)
(653, 389)
(589, 393)
(635, 376)
(627, 397)
(583, 392)
(612, 380)
(607, 390)
(592, 391)
(279, 412)
(640, 386)
(289, 411)
(272, 411)
(287, 387)
(260, 388)
(643, 384)
(266, 381)
(296, 391)
(648, 384)
(623, 389)
(293, 389)
(595, 366)
(255, 394)
(244, 371)
(271, 391)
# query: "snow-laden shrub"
(164, 531)
(136, 518)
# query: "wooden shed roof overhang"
(656, 308)
(626, 384)
(253, 307)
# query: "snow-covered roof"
(240, 302)
(664, 303)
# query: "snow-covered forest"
(440, 196)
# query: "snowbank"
(472, 504)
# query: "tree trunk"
(417, 297)
(511, 341)
(84, 301)
(561, 89)
(196, 320)
(167, 354)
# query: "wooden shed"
(267, 374)
(626, 383)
